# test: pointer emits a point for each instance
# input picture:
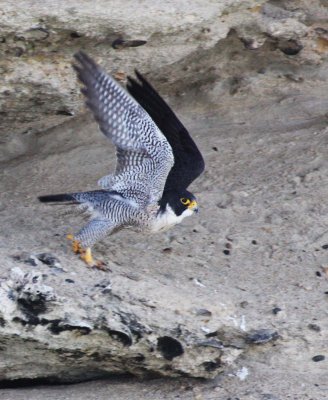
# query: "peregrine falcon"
(156, 161)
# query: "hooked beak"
(193, 206)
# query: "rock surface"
(242, 289)
(79, 329)
(185, 45)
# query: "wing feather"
(188, 161)
(144, 156)
(117, 114)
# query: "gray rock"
(100, 331)
(249, 80)
(39, 89)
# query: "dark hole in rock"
(314, 327)
(211, 365)
(64, 112)
(19, 321)
(169, 347)
(33, 306)
(290, 47)
(26, 382)
(276, 310)
(90, 374)
(120, 43)
(56, 328)
(211, 334)
(140, 358)
(167, 250)
(75, 35)
(318, 358)
(45, 321)
(124, 338)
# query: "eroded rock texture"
(185, 45)
(70, 331)
(250, 79)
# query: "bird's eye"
(185, 201)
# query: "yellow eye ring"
(185, 201)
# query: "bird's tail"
(76, 198)
(59, 198)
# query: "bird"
(156, 161)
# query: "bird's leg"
(76, 245)
(95, 230)
(86, 254)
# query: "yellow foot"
(86, 256)
(76, 245)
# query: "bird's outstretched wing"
(188, 161)
(144, 157)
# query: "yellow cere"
(193, 204)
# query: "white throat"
(168, 218)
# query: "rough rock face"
(186, 44)
(46, 333)
(100, 332)
(107, 328)
(250, 78)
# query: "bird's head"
(183, 203)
